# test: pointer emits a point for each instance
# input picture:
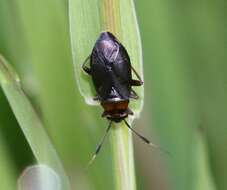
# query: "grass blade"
(85, 27)
(86, 23)
(7, 170)
(40, 176)
(123, 160)
(29, 121)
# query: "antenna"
(144, 139)
(99, 145)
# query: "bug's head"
(117, 117)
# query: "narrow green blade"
(7, 170)
(29, 121)
(87, 20)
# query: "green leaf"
(29, 122)
(7, 170)
(60, 103)
(87, 20)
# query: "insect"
(111, 72)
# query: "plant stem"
(123, 160)
(121, 138)
(86, 23)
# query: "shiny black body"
(110, 69)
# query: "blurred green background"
(185, 68)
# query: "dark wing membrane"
(111, 70)
(122, 72)
(101, 80)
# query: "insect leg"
(136, 82)
(129, 111)
(84, 67)
(134, 95)
(104, 114)
(96, 98)
(100, 145)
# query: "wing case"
(110, 69)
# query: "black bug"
(111, 72)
